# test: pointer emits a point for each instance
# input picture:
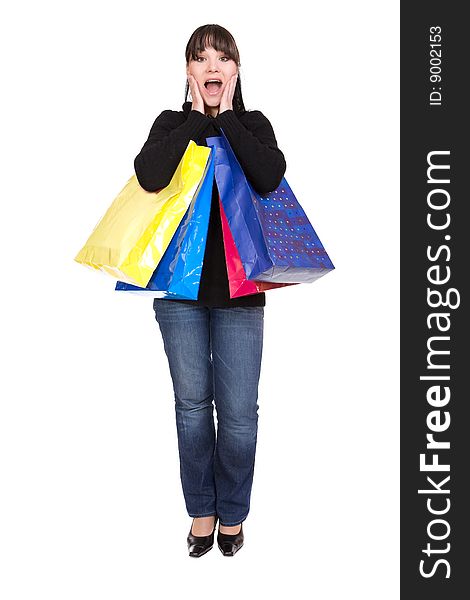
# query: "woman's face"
(211, 64)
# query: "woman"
(214, 344)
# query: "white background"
(91, 503)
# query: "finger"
(228, 91)
(195, 92)
(235, 78)
(191, 84)
(233, 83)
(225, 94)
(198, 87)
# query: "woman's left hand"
(227, 96)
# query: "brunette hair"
(217, 37)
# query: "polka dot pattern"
(290, 237)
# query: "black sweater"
(252, 139)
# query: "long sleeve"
(168, 139)
(252, 138)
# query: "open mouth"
(213, 86)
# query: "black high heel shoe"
(198, 545)
(229, 544)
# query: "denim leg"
(185, 331)
(237, 342)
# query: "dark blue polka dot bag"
(273, 235)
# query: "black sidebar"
(434, 261)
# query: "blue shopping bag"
(178, 273)
(273, 235)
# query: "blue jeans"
(216, 470)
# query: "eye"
(224, 58)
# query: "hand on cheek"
(226, 103)
(198, 102)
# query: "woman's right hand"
(198, 102)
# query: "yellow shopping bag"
(131, 238)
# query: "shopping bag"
(178, 273)
(239, 285)
(274, 238)
(131, 238)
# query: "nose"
(212, 67)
